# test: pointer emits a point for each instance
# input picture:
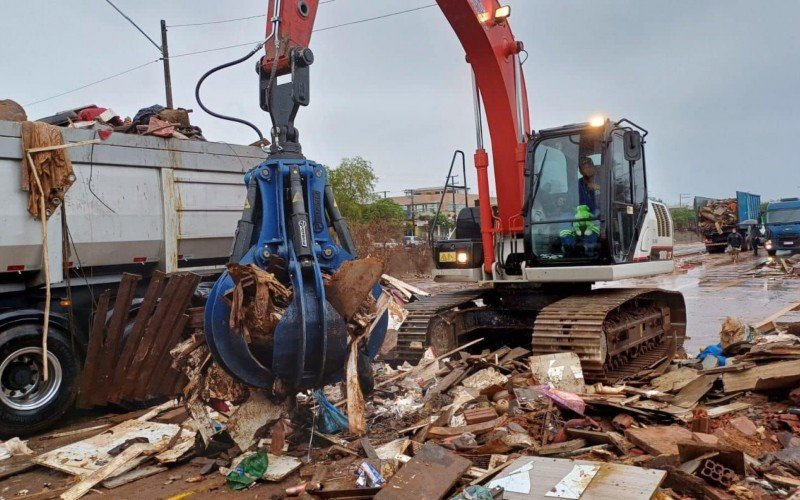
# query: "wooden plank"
(169, 331)
(129, 384)
(771, 376)
(563, 447)
(108, 357)
(93, 350)
(659, 440)
(694, 391)
(403, 285)
(612, 481)
(728, 408)
(134, 475)
(162, 372)
(439, 432)
(105, 471)
(154, 291)
(766, 324)
(446, 382)
(430, 474)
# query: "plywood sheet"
(612, 481)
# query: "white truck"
(138, 204)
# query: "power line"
(135, 25)
(376, 17)
(93, 83)
(223, 48)
(383, 16)
(223, 21)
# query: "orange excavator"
(572, 210)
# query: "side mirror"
(632, 141)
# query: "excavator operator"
(587, 186)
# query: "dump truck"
(716, 217)
(138, 204)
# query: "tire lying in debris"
(27, 403)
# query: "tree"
(353, 184)
(683, 218)
(384, 210)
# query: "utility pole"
(161, 48)
(165, 59)
(410, 192)
(681, 196)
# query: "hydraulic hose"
(221, 116)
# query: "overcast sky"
(716, 82)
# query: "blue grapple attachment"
(289, 215)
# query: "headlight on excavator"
(462, 257)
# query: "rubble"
(466, 423)
(715, 215)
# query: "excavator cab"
(586, 195)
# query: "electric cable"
(223, 21)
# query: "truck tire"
(772, 253)
(27, 404)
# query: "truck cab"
(782, 222)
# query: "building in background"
(420, 205)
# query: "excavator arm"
(286, 225)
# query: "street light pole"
(165, 58)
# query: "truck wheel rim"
(21, 385)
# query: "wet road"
(714, 288)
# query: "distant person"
(735, 241)
(587, 186)
(752, 236)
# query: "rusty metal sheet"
(93, 350)
(90, 454)
(430, 474)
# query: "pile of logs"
(715, 215)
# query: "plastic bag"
(713, 350)
(331, 420)
(248, 470)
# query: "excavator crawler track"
(616, 333)
(412, 335)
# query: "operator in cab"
(587, 185)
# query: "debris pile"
(155, 120)
(715, 215)
(496, 424)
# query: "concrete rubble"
(467, 423)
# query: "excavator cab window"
(565, 201)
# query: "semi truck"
(138, 204)
(716, 217)
(782, 224)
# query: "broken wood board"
(728, 408)
(133, 475)
(280, 467)
(612, 481)
(692, 392)
(563, 371)
(429, 475)
(440, 432)
(771, 376)
(255, 413)
(767, 324)
(352, 283)
(84, 457)
(404, 287)
(661, 440)
(674, 380)
(106, 470)
(563, 447)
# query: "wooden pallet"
(136, 365)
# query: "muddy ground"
(712, 286)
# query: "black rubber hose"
(225, 117)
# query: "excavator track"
(412, 335)
(616, 333)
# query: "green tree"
(683, 218)
(385, 210)
(353, 184)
